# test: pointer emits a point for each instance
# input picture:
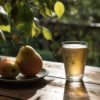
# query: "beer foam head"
(74, 46)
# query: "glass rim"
(76, 42)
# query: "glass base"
(74, 78)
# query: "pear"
(9, 68)
(29, 61)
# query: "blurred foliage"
(80, 22)
(20, 17)
(19, 22)
(82, 11)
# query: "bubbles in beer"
(74, 58)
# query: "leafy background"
(49, 28)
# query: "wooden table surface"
(55, 87)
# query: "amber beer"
(74, 55)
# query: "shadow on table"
(23, 91)
(75, 91)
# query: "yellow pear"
(29, 61)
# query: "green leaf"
(47, 33)
(7, 7)
(34, 32)
(43, 13)
(25, 14)
(59, 9)
(36, 29)
(48, 11)
(26, 28)
(5, 28)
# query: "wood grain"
(55, 87)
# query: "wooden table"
(55, 87)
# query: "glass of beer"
(74, 56)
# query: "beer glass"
(74, 56)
